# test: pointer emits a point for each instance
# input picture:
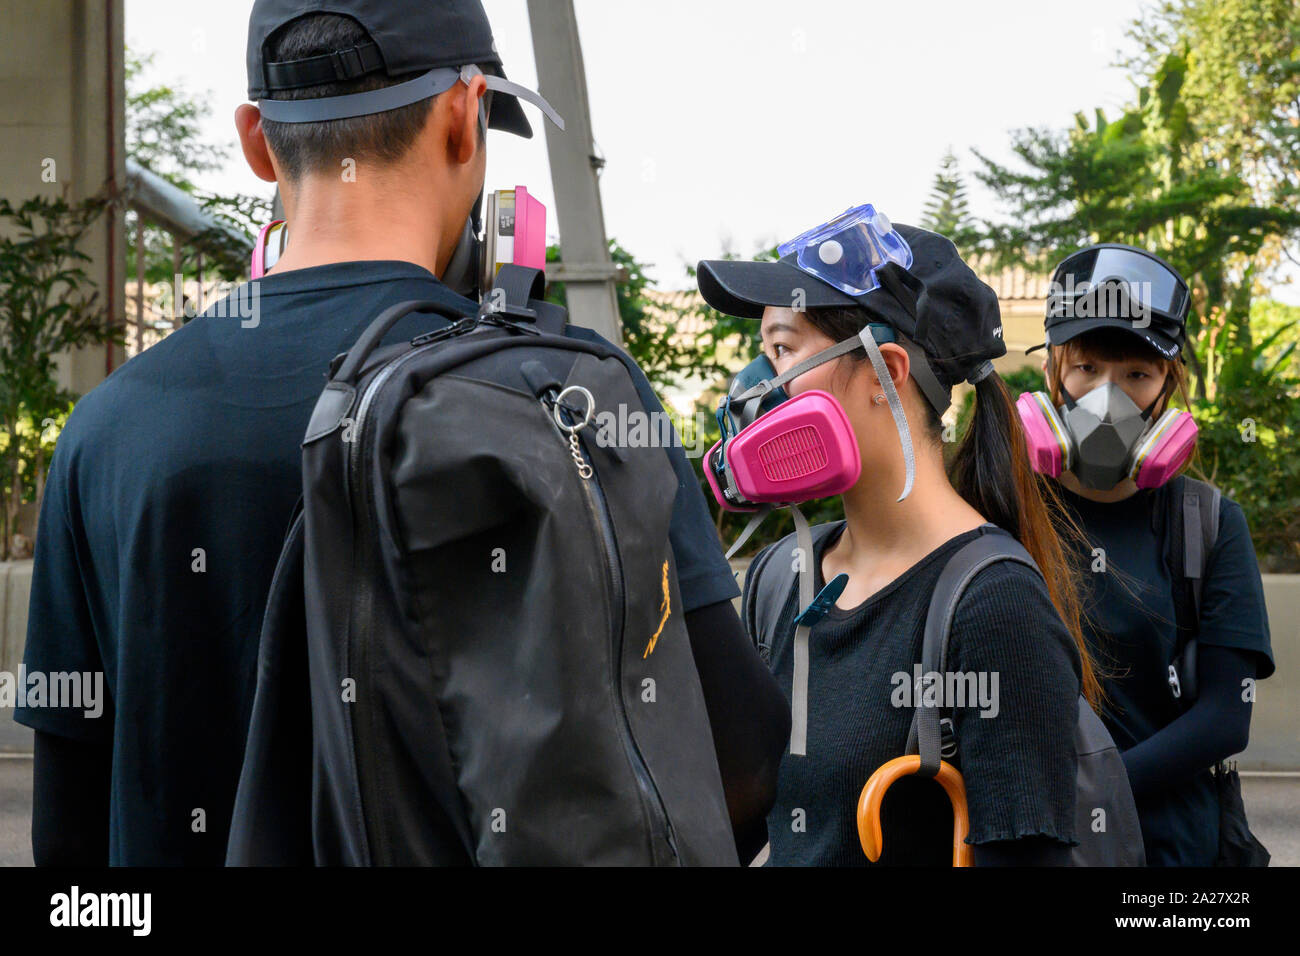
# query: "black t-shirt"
(168, 495)
(1019, 763)
(1130, 628)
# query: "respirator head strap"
(895, 407)
(1165, 392)
(794, 371)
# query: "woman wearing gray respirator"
(866, 327)
(1174, 604)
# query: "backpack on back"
(476, 622)
(1101, 783)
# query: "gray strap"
(500, 85)
(1200, 532)
(1193, 557)
(769, 582)
(794, 371)
(429, 84)
(925, 737)
(322, 109)
(981, 373)
(799, 680)
(895, 406)
(750, 528)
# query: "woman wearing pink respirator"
(866, 328)
(1173, 602)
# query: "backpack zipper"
(594, 493)
(359, 639)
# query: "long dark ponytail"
(990, 470)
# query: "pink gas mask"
(777, 450)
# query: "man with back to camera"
(174, 480)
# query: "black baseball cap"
(1111, 285)
(434, 38)
(938, 303)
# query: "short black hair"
(304, 148)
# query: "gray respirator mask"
(1105, 425)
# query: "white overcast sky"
(739, 123)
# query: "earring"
(879, 399)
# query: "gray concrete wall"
(1275, 720)
(61, 99)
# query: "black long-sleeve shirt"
(1130, 624)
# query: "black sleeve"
(1029, 851)
(1232, 601)
(1215, 727)
(70, 801)
(749, 717)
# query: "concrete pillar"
(62, 95)
(587, 271)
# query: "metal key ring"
(591, 409)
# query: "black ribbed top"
(1019, 766)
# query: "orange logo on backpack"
(667, 609)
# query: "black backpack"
(473, 651)
(1101, 782)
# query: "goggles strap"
(903, 294)
(895, 406)
(799, 679)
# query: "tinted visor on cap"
(1148, 284)
(1163, 335)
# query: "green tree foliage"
(48, 304)
(947, 211)
(1201, 170)
(164, 135)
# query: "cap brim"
(745, 288)
(507, 115)
(1062, 332)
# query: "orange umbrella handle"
(873, 794)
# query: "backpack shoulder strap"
(1192, 520)
(927, 735)
(771, 577)
(518, 291)
(1200, 507)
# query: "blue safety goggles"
(846, 252)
